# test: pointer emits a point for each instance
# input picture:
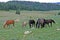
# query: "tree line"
(27, 5)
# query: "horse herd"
(41, 22)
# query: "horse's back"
(48, 20)
(9, 21)
(40, 21)
(31, 21)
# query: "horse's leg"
(42, 25)
(30, 25)
(51, 24)
(48, 24)
(34, 25)
(7, 25)
(13, 24)
(38, 25)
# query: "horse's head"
(4, 24)
(53, 21)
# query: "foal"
(24, 24)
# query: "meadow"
(17, 32)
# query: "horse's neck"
(4, 25)
(53, 21)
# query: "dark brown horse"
(31, 23)
(40, 22)
(8, 22)
(49, 21)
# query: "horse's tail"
(53, 21)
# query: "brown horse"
(8, 22)
(49, 21)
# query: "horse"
(40, 22)
(24, 24)
(49, 21)
(31, 23)
(8, 22)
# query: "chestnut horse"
(8, 22)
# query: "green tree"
(18, 12)
(59, 13)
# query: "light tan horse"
(24, 24)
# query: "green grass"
(17, 32)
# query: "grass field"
(17, 32)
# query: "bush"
(59, 13)
(18, 12)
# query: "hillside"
(26, 5)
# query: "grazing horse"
(40, 22)
(24, 24)
(31, 23)
(49, 21)
(8, 22)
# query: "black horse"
(31, 23)
(49, 21)
(40, 22)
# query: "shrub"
(59, 13)
(18, 12)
